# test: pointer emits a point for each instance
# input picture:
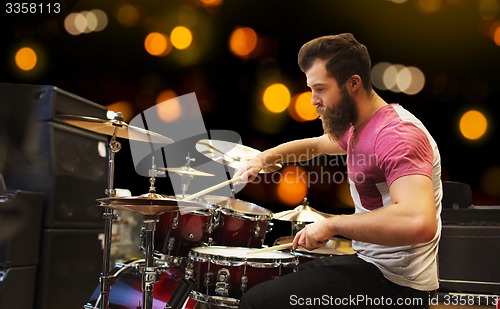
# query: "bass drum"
(126, 292)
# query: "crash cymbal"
(231, 154)
(186, 171)
(150, 204)
(301, 213)
(114, 126)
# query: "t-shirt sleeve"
(402, 150)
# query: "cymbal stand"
(109, 216)
(186, 179)
(149, 274)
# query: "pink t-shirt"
(392, 144)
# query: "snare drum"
(335, 246)
(177, 234)
(224, 274)
(239, 223)
(126, 292)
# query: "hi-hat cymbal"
(186, 171)
(114, 126)
(231, 154)
(301, 213)
(150, 204)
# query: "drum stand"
(186, 178)
(149, 275)
(109, 216)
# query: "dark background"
(112, 65)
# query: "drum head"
(334, 246)
(237, 255)
(232, 205)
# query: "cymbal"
(114, 126)
(186, 171)
(150, 204)
(231, 154)
(301, 213)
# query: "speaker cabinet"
(17, 286)
(469, 258)
(70, 267)
(22, 246)
(69, 166)
(47, 101)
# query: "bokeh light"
(165, 95)
(292, 188)
(276, 98)
(473, 124)
(125, 107)
(211, 3)
(344, 194)
(377, 75)
(181, 37)
(490, 183)
(128, 15)
(243, 41)
(429, 6)
(26, 58)
(156, 44)
(496, 36)
(85, 22)
(169, 110)
(410, 80)
(397, 78)
(301, 108)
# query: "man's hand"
(314, 235)
(248, 171)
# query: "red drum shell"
(240, 223)
(177, 234)
(210, 266)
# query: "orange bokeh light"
(243, 41)
(157, 44)
(292, 188)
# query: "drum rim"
(311, 253)
(289, 260)
(222, 301)
(239, 214)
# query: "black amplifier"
(469, 250)
(46, 101)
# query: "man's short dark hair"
(344, 56)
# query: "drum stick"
(277, 247)
(210, 189)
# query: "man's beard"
(337, 119)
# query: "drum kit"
(200, 250)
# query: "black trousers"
(344, 281)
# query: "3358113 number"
(32, 8)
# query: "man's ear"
(355, 81)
